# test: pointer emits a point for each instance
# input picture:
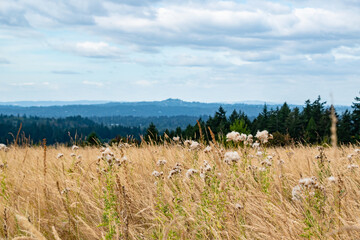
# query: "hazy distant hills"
(169, 107)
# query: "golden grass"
(68, 198)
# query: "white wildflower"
(66, 190)
(177, 169)
(349, 157)
(60, 155)
(233, 136)
(3, 147)
(157, 174)
(176, 139)
(161, 162)
(231, 157)
(191, 172)
(352, 166)
(107, 151)
(243, 137)
(281, 162)
(357, 150)
(256, 144)
(296, 193)
(263, 136)
(332, 179)
(72, 155)
(79, 157)
(308, 182)
(259, 153)
(238, 206)
(194, 145)
(74, 148)
(207, 149)
(262, 169)
(187, 142)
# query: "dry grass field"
(267, 193)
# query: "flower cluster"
(204, 169)
(191, 172)
(264, 136)
(176, 170)
(231, 157)
(3, 147)
(306, 185)
(237, 137)
(207, 149)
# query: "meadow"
(179, 191)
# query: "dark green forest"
(309, 124)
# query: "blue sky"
(209, 51)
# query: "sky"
(201, 50)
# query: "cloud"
(145, 83)
(23, 84)
(4, 61)
(64, 72)
(98, 84)
(90, 49)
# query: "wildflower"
(161, 162)
(207, 149)
(259, 153)
(308, 182)
(349, 157)
(3, 147)
(251, 167)
(157, 174)
(233, 136)
(256, 144)
(352, 166)
(79, 157)
(74, 148)
(243, 137)
(296, 193)
(191, 172)
(176, 139)
(266, 162)
(194, 145)
(107, 151)
(72, 155)
(206, 167)
(187, 142)
(262, 169)
(332, 179)
(238, 206)
(231, 157)
(124, 159)
(281, 162)
(249, 140)
(177, 169)
(357, 150)
(65, 191)
(60, 155)
(263, 136)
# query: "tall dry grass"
(43, 197)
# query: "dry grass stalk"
(55, 233)
(23, 222)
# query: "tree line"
(309, 125)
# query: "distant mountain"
(50, 103)
(168, 107)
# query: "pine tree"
(356, 118)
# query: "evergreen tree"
(356, 118)
(344, 128)
(151, 133)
